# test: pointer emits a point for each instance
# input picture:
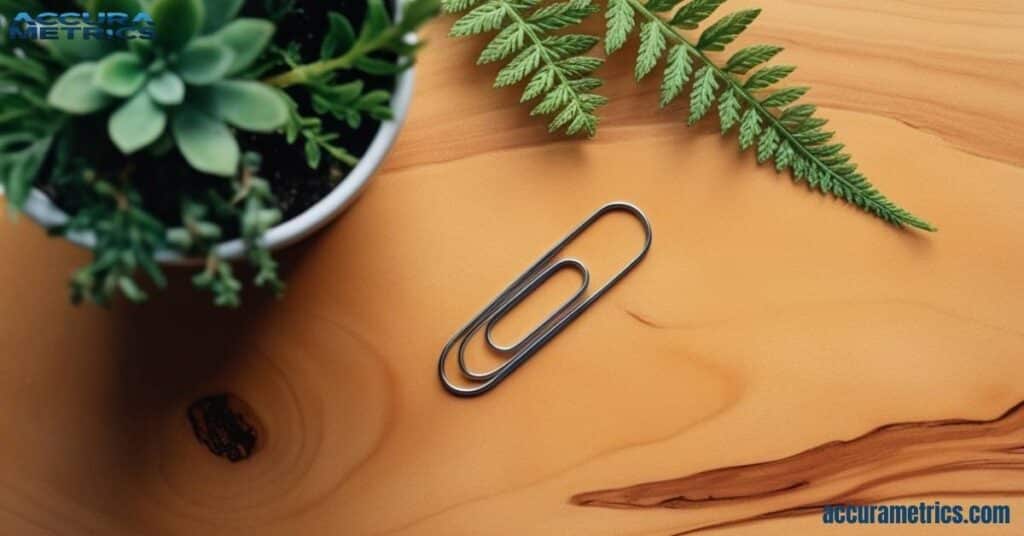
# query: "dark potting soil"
(164, 180)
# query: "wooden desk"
(766, 321)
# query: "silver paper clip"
(520, 289)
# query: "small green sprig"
(127, 238)
(253, 208)
(344, 49)
(766, 119)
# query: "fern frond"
(779, 128)
(555, 67)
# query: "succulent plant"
(178, 90)
(177, 174)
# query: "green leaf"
(561, 14)
(417, 12)
(726, 30)
(652, 45)
(795, 116)
(248, 105)
(206, 142)
(542, 82)
(485, 18)
(658, 6)
(750, 127)
(376, 20)
(784, 155)
(620, 21)
(166, 89)
(678, 68)
(784, 97)
(766, 146)
(377, 67)
(520, 66)
(565, 45)
(728, 110)
(219, 12)
(204, 62)
(120, 74)
(246, 38)
(72, 51)
(313, 153)
(136, 124)
(750, 57)
(695, 12)
(508, 41)
(767, 76)
(75, 93)
(703, 93)
(177, 22)
(340, 36)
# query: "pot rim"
(43, 211)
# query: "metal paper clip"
(520, 289)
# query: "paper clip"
(520, 289)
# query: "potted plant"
(195, 131)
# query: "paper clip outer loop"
(534, 276)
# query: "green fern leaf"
(520, 66)
(703, 94)
(508, 41)
(559, 74)
(726, 30)
(562, 14)
(457, 6)
(678, 68)
(784, 155)
(767, 76)
(784, 97)
(750, 127)
(766, 145)
(659, 6)
(620, 22)
(728, 110)
(485, 18)
(750, 57)
(652, 45)
(694, 13)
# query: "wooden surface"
(766, 323)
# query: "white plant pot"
(40, 208)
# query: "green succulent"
(182, 88)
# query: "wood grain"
(888, 463)
(767, 320)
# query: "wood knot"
(226, 425)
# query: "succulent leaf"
(340, 36)
(206, 142)
(137, 123)
(167, 89)
(120, 74)
(247, 105)
(219, 12)
(204, 62)
(246, 38)
(75, 93)
(177, 22)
